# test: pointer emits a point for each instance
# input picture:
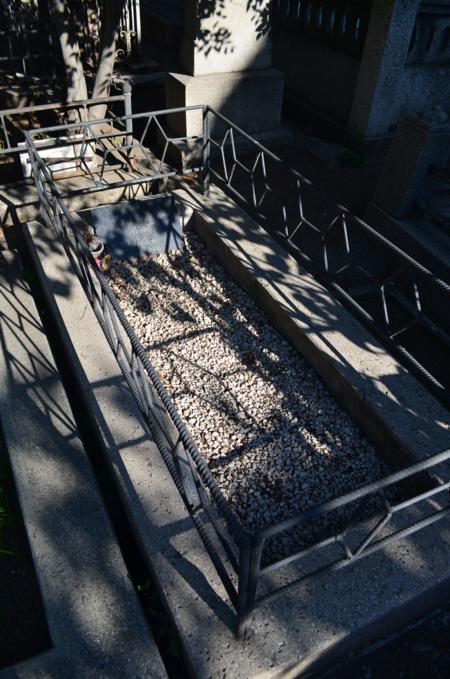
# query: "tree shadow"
(92, 612)
(202, 388)
(389, 574)
(219, 38)
(205, 614)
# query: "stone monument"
(227, 57)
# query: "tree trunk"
(112, 11)
(62, 18)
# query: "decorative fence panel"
(359, 522)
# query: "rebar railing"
(191, 474)
(364, 520)
(402, 303)
(13, 122)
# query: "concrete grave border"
(294, 631)
(95, 620)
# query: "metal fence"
(25, 41)
(130, 27)
(340, 24)
(129, 33)
(400, 301)
(17, 15)
(360, 522)
(14, 121)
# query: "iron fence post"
(128, 113)
(137, 25)
(206, 175)
(255, 563)
(245, 553)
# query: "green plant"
(117, 141)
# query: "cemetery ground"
(422, 649)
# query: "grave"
(280, 286)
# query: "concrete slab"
(19, 201)
(95, 621)
(327, 152)
(251, 98)
(185, 155)
(296, 631)
(138, 227)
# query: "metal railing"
(17, 15)
(340, 24)
(129, 33)
(14, 121)
(365, 520)
(130, 27)
(30, 52)
(25, 39)
(400, 301)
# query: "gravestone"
(147, 226)
(419, 143)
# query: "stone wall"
(361, 63)
(426, 78)
(317, 76)
(364, 64)
(423, 88)
(318, 47)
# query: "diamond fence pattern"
(364, 520)
(385, 288)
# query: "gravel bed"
(274, 438)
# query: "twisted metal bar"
(294, 191)
(146, 386)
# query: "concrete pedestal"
(252, 99)
(226, 52)
(230, 35)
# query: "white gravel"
(274, 438)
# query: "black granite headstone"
(136, 228)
